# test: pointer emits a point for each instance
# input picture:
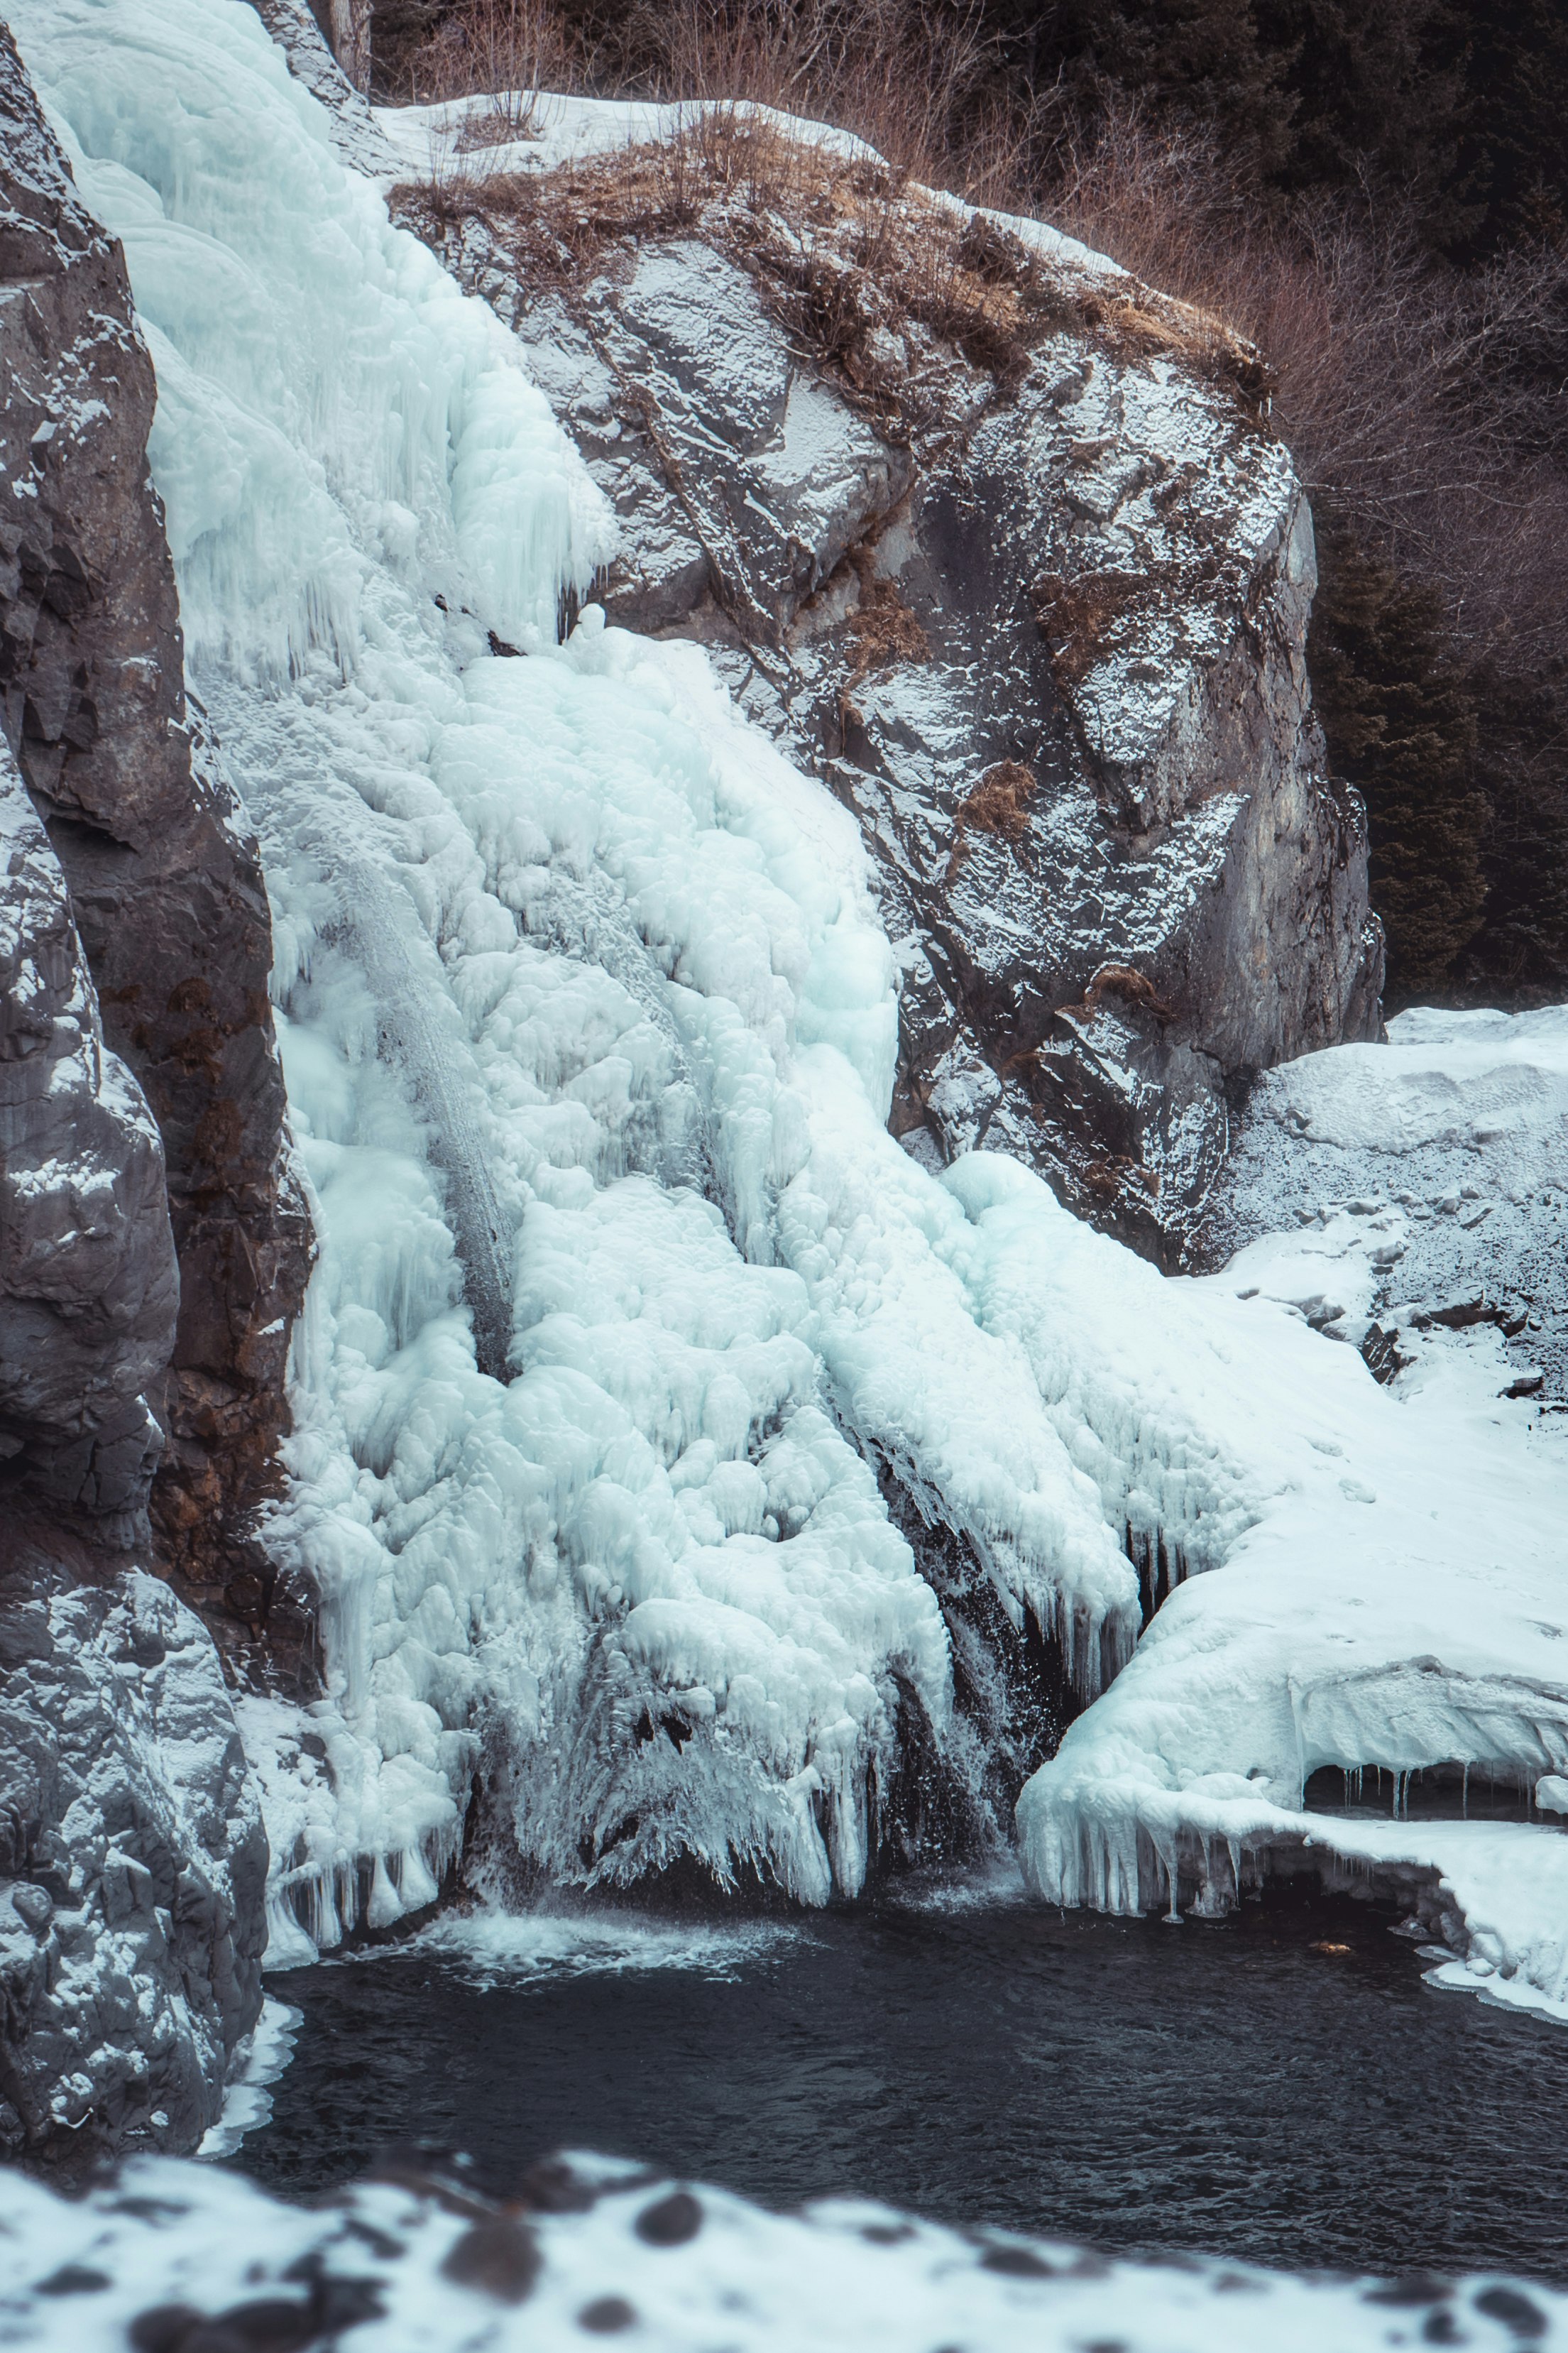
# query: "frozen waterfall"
(589, 1027)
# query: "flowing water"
(1283, 2088)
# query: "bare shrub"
(1397, 382)
(1000, 805)
(505, 50)
(900, 74)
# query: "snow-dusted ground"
(459, 139)
(589, 1024)
(605, 2250)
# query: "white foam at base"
(489, 1947)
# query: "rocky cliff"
(133, 1862)
(164, 879)
(133, 1856)
(152, 1249)
(1001, 545)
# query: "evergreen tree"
(1401, 723)
(1522, 764)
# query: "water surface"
(1232, 2090)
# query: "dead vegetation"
(1000, 805)
(878, 280)
(1133, 987)
(1390, 379)
(882, 631)
(1076, 618)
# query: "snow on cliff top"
(428, 142)
(601, 2249)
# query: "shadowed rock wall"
(165, 878)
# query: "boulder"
(1002, 546)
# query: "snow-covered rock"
(1420, 1187)
(176, 2255)
(1380, 1481)
(133, 1860)
(1029, 530)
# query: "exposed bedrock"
(88, 1287)
(165, 880)
(133, 1860)
(1040, 624)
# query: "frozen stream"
(1230, 2089)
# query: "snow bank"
(1388, 1588)
(403, 2265)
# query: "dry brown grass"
(870, 274)
(1133, 987)
(883, 632)
(1076, 618)
(1000, 805)
(1001, 801)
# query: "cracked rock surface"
(88, 1286)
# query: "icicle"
(385, 1905)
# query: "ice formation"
(589, 1026)
(404, 2265)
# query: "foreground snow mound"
(1387, 1596)
(173, 2255)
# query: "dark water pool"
(1231, 2090)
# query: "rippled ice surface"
(1236, 2090)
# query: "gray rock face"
(165, 878)
(88, 1286)
(131, 1866)
(1037, 614)
(295, 28)
(132, 1858)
